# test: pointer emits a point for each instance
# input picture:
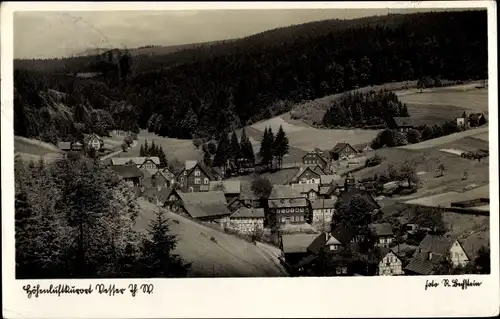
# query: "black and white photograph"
(252, 143)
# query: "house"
(235, 204)
(404, 251)
(157, 195)
(306, 175)
(204, 206)
(94, 141)
(477, 119)
(121, 133)
(462, 121)
(402, 124)
(247, 196)
(247, 220)
(140, 162)
(150, 163)
(389, 263)
(284, 192)
(432, 250)
(343, 236)
(130, 174)
(64, 146)
(289, 211)
(382, 233)
(314, 158)
(231, 189)
(294, 247)
(329, 192)
(310, 191)
(342, 150)
(328, 180)
(159, 179)
(367, 150)
(195, 178)
(323, 210)
(77, 146)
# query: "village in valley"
(385, 179)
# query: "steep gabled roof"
(344, 235)
(297, 243)
(203, 197)
(318, 154)
(435, 244)
(284, 191)
(127, 171)
(339, 147)
(152, 193)
(322, 203)
(318, 243)
(303, 171)
(203, 210)
(346, 197)
(207, 171)
(305, 188)
(245, 212)
(421, 264)
(382, 229)
(287, 203)
(328, 179)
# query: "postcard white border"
(253, 297)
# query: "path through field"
(446, 139)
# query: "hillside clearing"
(178, 149)
(222, 256)
(446, 139)
(33, 146)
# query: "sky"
(60, 34)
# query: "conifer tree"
(141, 152)
(221, 155)
(158, 259)
(235, 148)
(163, 157)
(207, 159)
(281, 146)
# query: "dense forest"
(356, 109)
(203, 91)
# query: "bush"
(197, 142)
(374, 161)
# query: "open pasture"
(178, 149)
(308, 138)
(445, 140)
(212, 252)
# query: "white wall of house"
(390, 265)
(323, 215)
(384, 241)
(458, 255)
(246, 225)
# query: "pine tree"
(268, 151)
(146, 148)
(281, 146)
(163, 157)
(158, 259)
(221, 155)
(235, 148)
(246, 148)
(207, 159)
(141, 152)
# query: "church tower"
(350, 182)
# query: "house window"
(206, 181)
(283, 219)
(197, 181)
(301, 218)
(196, 173)
(344, 270)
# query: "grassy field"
(33, 150)
(427, 161)
(442, 141)
(307, 138)
(180, 150)
(222, 256)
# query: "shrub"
(413, 136)
(374, 161)
(197, 142)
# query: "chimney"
(430, 255)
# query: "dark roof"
(318, 243)
(152, 193)
(284, 191)
(208, 171)
(403, 121)
(328, 190)
(211, 197)
(297, 243)
(382, 229)
(244, 212)
(302, 171)
(475, 116)
(246, 191)
(339, 147)
(87, 138)
(346, 197)
(322, 203)
(127, 171)
(306, 261)
(403, 249)
(435, 244)
(319, 154)
(344, 235)
(381, 252)
(201, 210)
(421, 264)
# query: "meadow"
(212, 252)
(33, 150)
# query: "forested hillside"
(204, 91)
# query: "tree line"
(202, 92)
(371, 109)
(74, 218)
(154, 150)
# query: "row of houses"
(302, 250)
(91, 141)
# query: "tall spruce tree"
(221, 154)
(234, 148)
(246, 147)
(158, 259)
(281, 146)
(163, 157)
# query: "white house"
(246, 220)
(94, 141)
(389, 264)
(323, 210)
